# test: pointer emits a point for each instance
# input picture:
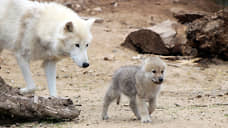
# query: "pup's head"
(74, 40)
(154, 69)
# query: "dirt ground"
(192, 96)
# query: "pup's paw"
(146, 119)
(105, 117)
(27, 90)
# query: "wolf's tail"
(118, 100)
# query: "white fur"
(38, 31)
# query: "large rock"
(166, 38)
(168, 32)
(146, 41)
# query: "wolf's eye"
(162, 72)
(77, 45)
(87, 45)
(154, 71)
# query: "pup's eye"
(77, 45)
(162, 72)
(87, 45)
(154, 71)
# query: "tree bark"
(15, 107)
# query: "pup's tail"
(118, 100)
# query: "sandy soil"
(193, 95)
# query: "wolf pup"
(141, 84)
(43, 31)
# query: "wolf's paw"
(105, 117)
(27, 90)
(146, 119)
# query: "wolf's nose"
(85, 65)
(160, 79)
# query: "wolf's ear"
(69, 27)
(90, 22)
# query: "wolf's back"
(11, 12)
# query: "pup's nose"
(85, 65)
(160, 79)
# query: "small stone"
(176, 1)
(157, 3)
(88, 10)
(107, 30)
(97, 9)
(78, 6)
(12, 81)
(114, 51)
(110, 58)
(68, 4)
(106, 59)
(66, 76)
(78, 105)
(177, 105)
(114, 4)
(85, 72)
(137, 57)
(63, 70)
(99, 20)
(199, 96)
(220, 94)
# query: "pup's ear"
(90, 22)
(69, 27)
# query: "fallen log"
(15, 107)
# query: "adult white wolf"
(43, 31)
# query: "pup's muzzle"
(159, 80)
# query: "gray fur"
(138, 83)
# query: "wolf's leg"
(152, 105)
(110, 95)
(133, 106)
(143, 110)
(0, 54)
(1, 49)
(50, 70)
(25, 68)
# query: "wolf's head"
(74, 40)
(154, 69)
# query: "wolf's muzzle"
(85, 65)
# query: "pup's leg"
(152, 105)
(133, 106)
(50, 71)
(110, 95)
(143, 110)
(24, 66)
